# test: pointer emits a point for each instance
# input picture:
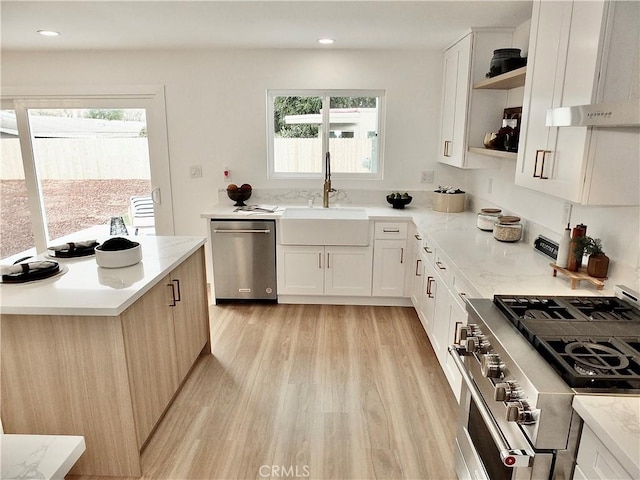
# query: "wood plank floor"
(310, 391)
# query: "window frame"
(325, 94)
(149, 97)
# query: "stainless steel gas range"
(523, 359)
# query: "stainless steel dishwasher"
(244, 259)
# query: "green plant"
(587, 246)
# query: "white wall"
(216, 107)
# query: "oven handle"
(510, 457)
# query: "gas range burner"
(594, 362)
(518, 308)
(533, 307)
(605, 308)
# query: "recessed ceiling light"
(326, 41)
(48, 33)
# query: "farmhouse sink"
(324, 226)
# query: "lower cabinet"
(164, 332)
(150, 348)
(324, 270)
(595, 461)
(389, 268)
(189, 308)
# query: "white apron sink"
(324, 226)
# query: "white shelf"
(505, 81)
(493, 153)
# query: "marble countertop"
(38, 456)
(84, 288)
(616, 422)
(489, 266)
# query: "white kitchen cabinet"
(578, 56)
(324, 270)
(467, 114)
(389, 268)
(389, 259)
(595, 461)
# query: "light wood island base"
(107, 378)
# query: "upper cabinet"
(469, 111)
(580, 53)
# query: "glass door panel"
(16, 235)
(89, 163)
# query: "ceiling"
(188, 24)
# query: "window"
(305, 124)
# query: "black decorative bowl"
(239, 195)
(399, 202)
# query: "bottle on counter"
(574, 261)
(563, 248)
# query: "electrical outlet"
(426, 176)
(490, 186)
(195, 171)
(566, 214)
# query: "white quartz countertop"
(87, 289)
(489, 266)
(38, 456)
(616, 422)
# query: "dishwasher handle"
(240, 230)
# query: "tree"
(105, 114)
(286, 105)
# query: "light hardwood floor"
(309, 391)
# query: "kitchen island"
(101, 353)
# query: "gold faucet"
(326, 188)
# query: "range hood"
(626, 114)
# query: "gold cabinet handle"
(446, 148)
(535, 164)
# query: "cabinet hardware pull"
(401, 255)
(177, 282)
(456, 333)
(440, 266)
(239, 230)
(535, 164)
(173, 294)
(430, 279)
(319, 260)
(328, 260)
(417, 237)
(544, 156)
(446, 148)
(418, 274)
(426, 249)
(390, 230)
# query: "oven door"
(489, 447)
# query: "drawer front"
(391, 231)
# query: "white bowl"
(118, 258)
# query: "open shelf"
(505, 81)
(493, 153)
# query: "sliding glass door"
(84, 158)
